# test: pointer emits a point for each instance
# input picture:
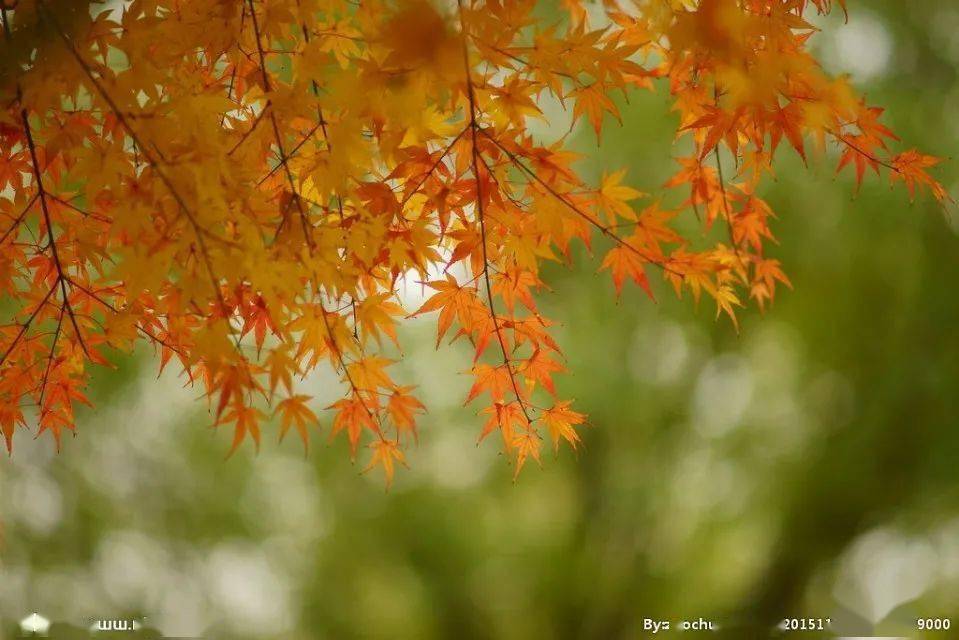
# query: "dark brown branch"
(375, 417)
(316, 92)
(19, 218)
(26, 325)
(480, 211)
(41, 191)
(293, 152)
(304, 220)
(845, 140)
(50, 358)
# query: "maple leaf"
(613, 197)
(10, 418)
(293, 412)
(402, 409)
(788, 121)
(282, 368)
(912, 168)
(231, 383)
(539, 367)
(719, 125)
(246, 421)
(751, 224)
(55, 421)
(353, 416)
(726, 301)
(258, 320)
(859, 153)
(454, 302)
(368, 373)
(625, 262)
(385, 454)
(506, 418)
(768, 273)
(496, 380)
(526, 445)
(515, 284)
(375, 315)
(593, 102)
(561, 420)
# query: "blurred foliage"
(805, 467)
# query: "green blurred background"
(808, 466)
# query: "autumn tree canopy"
(246, 184)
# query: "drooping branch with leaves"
(247, 186)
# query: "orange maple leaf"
(293, 412)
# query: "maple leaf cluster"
(247, 184)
